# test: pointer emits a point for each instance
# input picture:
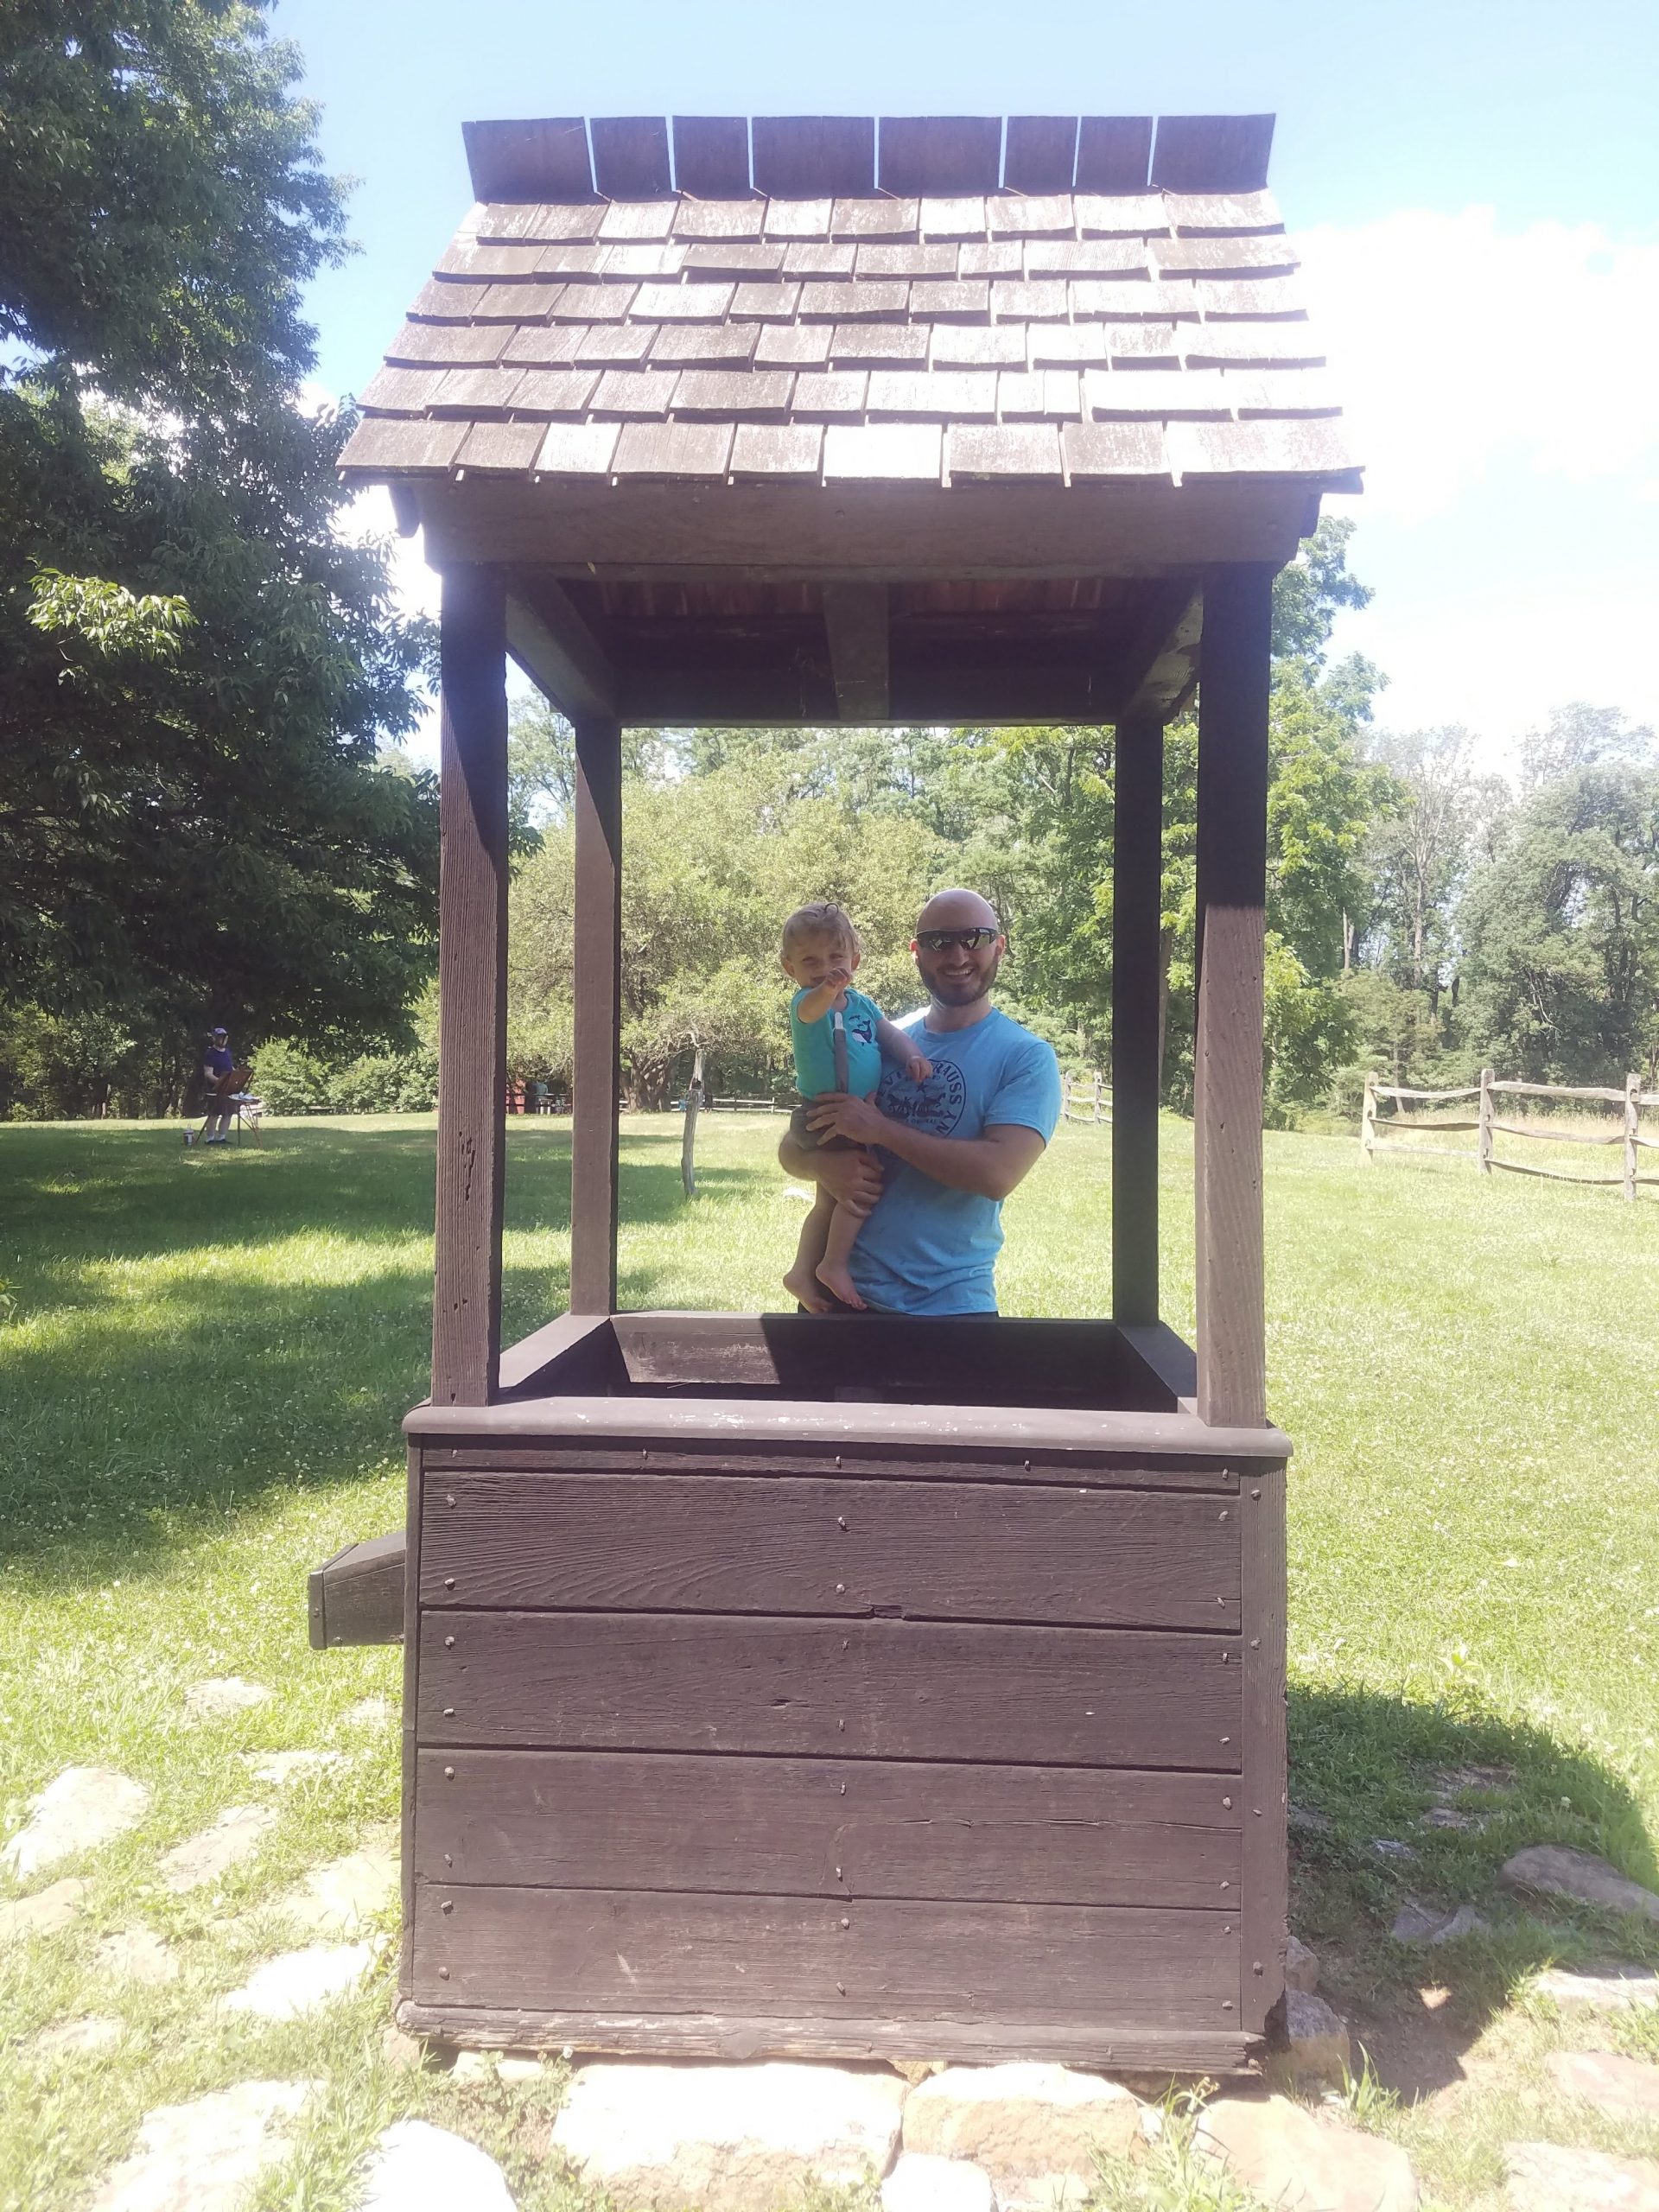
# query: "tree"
(1420, 854)
(197, 668)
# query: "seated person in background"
(951, 1145)
(839, 1036)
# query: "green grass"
(204, 1365)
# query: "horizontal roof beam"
(558, 651)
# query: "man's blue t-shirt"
(815, 1048)
(218, 1057)
(927, 1249)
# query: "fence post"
(1368, 1122)
(1065, 1097)
(1483, 1135)
(1633, 1122)
(1097, 1097)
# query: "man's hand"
(836, 1113)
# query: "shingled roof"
(1061, 302)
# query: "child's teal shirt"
(815, 1047)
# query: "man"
(954, 1145)
(216, 1062)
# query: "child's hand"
(838, 978)
(918, 1068)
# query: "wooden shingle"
(538, 345)
(766, 303)
(967, 300)
(624, 393)
(468, 257)
(770, 452)
(1124, 395)
(540, 219)
(662, 258)
(442, 299)
(719, 219)
(450, 345)
(991, 258)
(1294, 447)
(1278, 391)
(1087, 257)
(668, 303)
(867, 303)
(818, 262)
(959, 217)
(400, 392)
(1235, 256)
(798, 219)
(1016, 302)
(615, 346)
(672, 449)
(577, 449)
(791, 346)
(715, 394)
(941, 395)
(516, 302)
(639, 219)
(1039, 395)
(705, 345)
(1019, 215)
(597, 302)
(1075, 345)
(831, 396)
(883, 452)
(554, 391)
(1264, 299)
(884, 259)
(1218, 214)
(1125, 215)
(1104, 452)
(877, 345)
(876, 218)
(476, 391)
(571, 259)
(1251, 345)
(978, 346)
(711, 155)
(1003, 452)
(408, 448)
(740, 258)
(500, 448)
(1039, 153)
(1124, 300)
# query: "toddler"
(839, 1036)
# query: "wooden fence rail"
(1084, 1100)
(1630, 1098)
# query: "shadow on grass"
(1368, 1771)
(152, 1408)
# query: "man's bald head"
(958, 910)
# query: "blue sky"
(1474, 183)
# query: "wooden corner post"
(1137, 901)
(599, 1002)
(1234, 672)
(471, 987)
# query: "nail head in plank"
(799, 157)
(711, 155)
(1039, 153)
(1114, 153)
(541, 160)
(630, 156)
(1213, 153)
(940, 152)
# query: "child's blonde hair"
(822, 918)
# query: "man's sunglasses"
(943, 940)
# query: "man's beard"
(952, 992)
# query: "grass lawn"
(205, 1363)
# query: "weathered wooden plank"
(1039, 153)
(1137, 1015)
(1264, 1800)
(839, 1689)
(736, 1544)
(357, 1597)
(630, 156)
(855, 624)
(804, 156)
(1102, 2043)
(711, 155)
(1213, 153)
(547, 637)
(1114, 153)
(605, 1950)
(409, 1732)
(544, 159)
(1227, 1064)
(598, 956)
(559, 1452)
(572, 1350)
(807, 1827)
(940, 152)
(472, 987)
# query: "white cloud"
(1458, 348)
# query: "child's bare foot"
(804, 1288)
(837, 1280)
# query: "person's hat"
(222, 1031)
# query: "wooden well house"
(878, 1686)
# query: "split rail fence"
(1486, 1125)
(1082, 1101)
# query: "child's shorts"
(816, 1140)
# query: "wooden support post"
(855, 622)
(1137, 900)
(1368, 1123)
(471, 987)
(1233, 857)
(1483, 1124)
(1632, 1132)
(599, 996)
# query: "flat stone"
(225, 1695)
(282, 1768)
(726, 2139)
(1544, 2178)
(1488, 1780)
(1429, 1923)
(82, 1808)
(473, 2066)
(1301, 1967)
(1556, 1870)
(1309, 1822)
(1448, 1816)
(1299, 2163)
(75, 2039)
(1612, 1988)
(1033, 2128)
(921, 2182)
(416, 2167)
(1316, 2047)
(370, 1713)
(234, 1836)
(1624, 2087)
(521, 2071)
(48, 1912)
(299, 1981)
(205, 2156)
(348, 1893)
(137, 1955)
(1390, 1846)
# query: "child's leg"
(833, 1273)
(802, 1281)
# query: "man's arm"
(852, 1179)
(989, 1165)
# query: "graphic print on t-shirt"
(934, 1107)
